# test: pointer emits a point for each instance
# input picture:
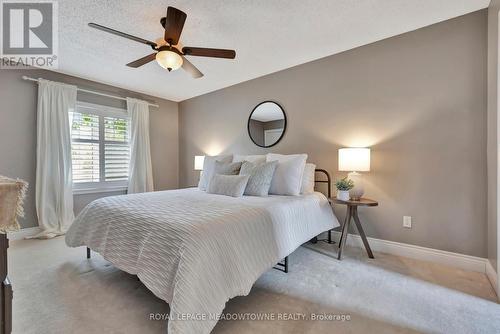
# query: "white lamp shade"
(354, 159)
(198, 162)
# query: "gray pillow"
(260, 179)
(229, 185)
(227, 168)
(208, 169)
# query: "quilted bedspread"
(197, 250)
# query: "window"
(100, 149)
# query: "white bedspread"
(197, 250)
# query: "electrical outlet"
(407, 221)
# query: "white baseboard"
(461, 261)
(492, 276)
(23, 233)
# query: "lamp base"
(358, 190)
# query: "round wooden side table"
(352, 212)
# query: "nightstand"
(352, 212)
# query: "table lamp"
(355, 160)
(198, 162)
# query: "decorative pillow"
(260, 179)
(229, 185)
(287, 179)
(208, 169)
(257, 159)
(308, 179)
(227, 168)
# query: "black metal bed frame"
(329, 192)
(283, 265)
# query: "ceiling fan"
(166, 53)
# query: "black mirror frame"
(250, 117)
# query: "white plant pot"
(343, 195)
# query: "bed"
(197, 250)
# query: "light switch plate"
(407, 221)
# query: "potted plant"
(343, 186)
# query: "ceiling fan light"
(169, 60)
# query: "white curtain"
(141, 172)
(54, 193)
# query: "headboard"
(328, 180)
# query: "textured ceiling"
(268, 36)
(267, 111)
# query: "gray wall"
(418, 99)
(18, 132)
(256, 129)
(492, 144)
(278, 124)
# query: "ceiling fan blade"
(207, 52)
(142, 61)
(190, 68)
(174, 24)
(122, 34)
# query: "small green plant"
(344, 184)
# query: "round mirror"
(267, 124)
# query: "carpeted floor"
(57, 290)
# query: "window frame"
(102, 186)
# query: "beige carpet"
(57, 290)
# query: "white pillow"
(228, 185)
(209, 167)
(256, 159)
(287, 179)
(308, 179)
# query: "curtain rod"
(93, 92)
